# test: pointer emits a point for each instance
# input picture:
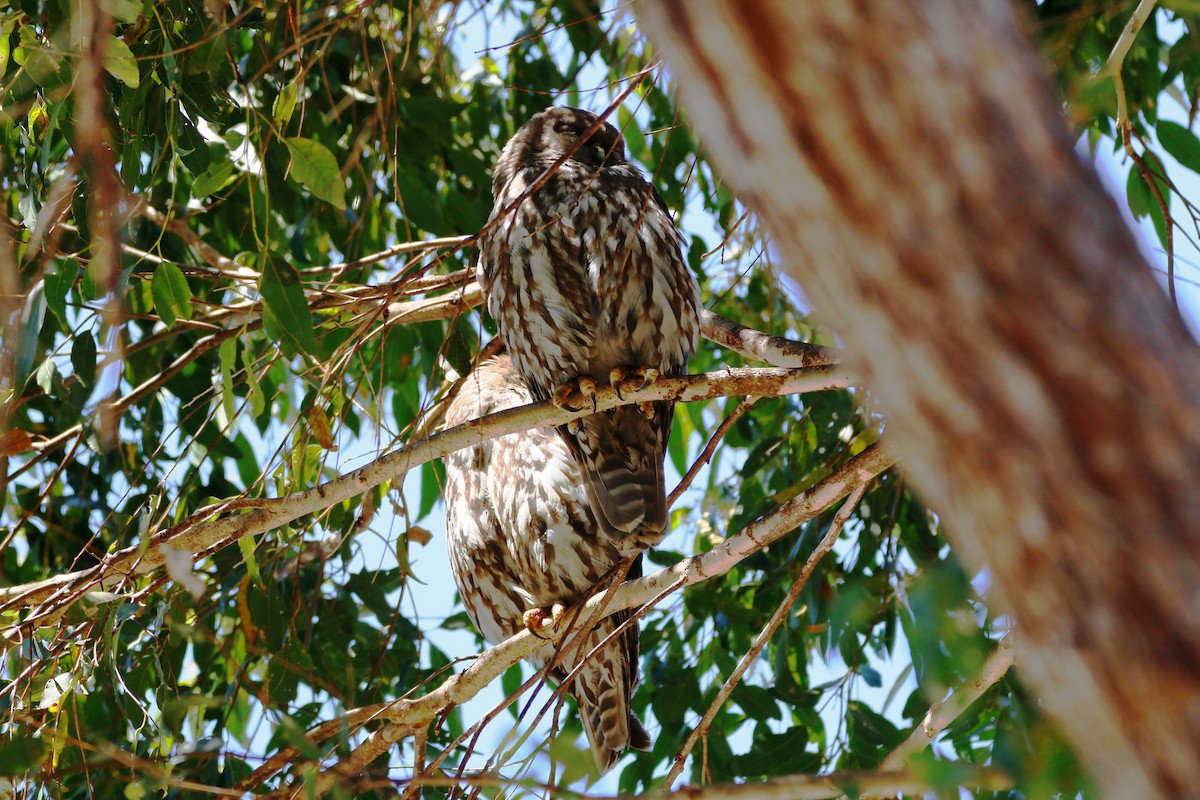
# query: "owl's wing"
(622, 453)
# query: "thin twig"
(1116, 59)
(941, 714)
(204, 536)
(707, 453)
(760, 641)
(404, 717)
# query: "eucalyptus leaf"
(286, 314)
(314, 166)
(172, 296)
(120, 63)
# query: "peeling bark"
(913, 167)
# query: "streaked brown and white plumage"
(584, 275)
(521, 534)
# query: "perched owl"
(522, 535)
(585, 276)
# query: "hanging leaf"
(83, 357)
(32, 316)
(315, 167)
(285, 102)
(286, 315)
(172, 297)
(120, 63)
(214, 178)
(1181, 143)
(318, 423)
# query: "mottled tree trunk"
(913, 167)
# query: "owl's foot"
(537, 619)
(646, 376)
(565, 397)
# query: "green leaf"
(677, 443)
(58, 281)
(432, 481)
(227, 353)
(314, 166)
(510, 681)
(871, 676)
(779, 753)
(120, 63)
(21, 755)
(631, 131)
(47, 376)
(285, 102)
(258, 400)
(756, 701)
(5, 45)
(286, 315)
(123, 10)
(1138, 193)
(246, 545)
(295, 735)
(32, 317)
(419, 204)
(214, 178)
(175, 709)
(172, 297)
(1181, 143)
(83, 357)
(40, 62)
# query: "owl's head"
(558, 131)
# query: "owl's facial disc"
(603, 147)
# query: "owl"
(522, 535)
(583, 271)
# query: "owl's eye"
(599, 151)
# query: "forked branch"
(405, 717)
(219, 525)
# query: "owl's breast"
(645, 295)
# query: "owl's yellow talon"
(564, 397)
(587, 387)
(534, 618)
(647, 376)
(538, 619)
(615, 376)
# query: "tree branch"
(758, 346)
(941, 714)
(1039, 387)
(760, 641)
(1116, 59)
(404, 717)
(212, 528)
(754, 345)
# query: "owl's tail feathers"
(638, 738)
(608, 723)
(621, 452)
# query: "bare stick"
(941, 714)
(760, 641)
(212, 528)
(403, 717)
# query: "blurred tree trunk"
(920, 184)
